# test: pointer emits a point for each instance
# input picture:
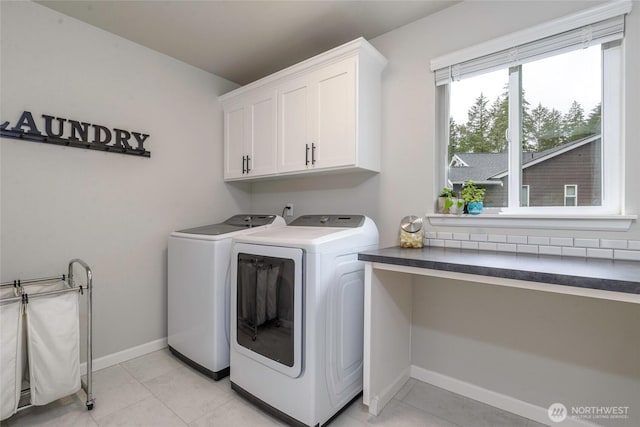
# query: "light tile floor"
(157, 390)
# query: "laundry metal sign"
(74, 133)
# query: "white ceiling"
(245, 40)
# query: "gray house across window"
(544, 174)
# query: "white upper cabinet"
(262, 134)
(334, 116)
(234, 141)
(250, 134)
(294, 125)
(321, 115)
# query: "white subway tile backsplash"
(484, 246)
(436, 242)
(517, 239)
(549, 250)
(527, 249)
(537, 240)
(600, 253)
(469, 245)
(561, 241)
(452, 244)
(570, 251)
(586, 243)
(543, 245)
(506, 247)
(613, 244)
(620, 254)
(634, 245)
(498, 238)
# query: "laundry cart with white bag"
(40, 340)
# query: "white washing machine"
(297, 316)
(198, 290)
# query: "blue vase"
(475, 208)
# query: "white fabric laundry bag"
(11, 333)
(53, 335)
(35, 288)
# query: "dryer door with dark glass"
(267, 306)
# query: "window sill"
(545, 222)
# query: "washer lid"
(213, 229)
(235, 223)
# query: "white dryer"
(198, 290)
(297, 316)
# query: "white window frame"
(612, 208)
(573, 196)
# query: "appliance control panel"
(348, 221)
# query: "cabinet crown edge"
(354, 47)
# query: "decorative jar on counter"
(411, 232)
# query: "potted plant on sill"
(473, 196)
(446, 200)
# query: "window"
(539, 112)
(477, 124)
(524, 195)
(571, 195)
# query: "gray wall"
(534, 346)
(116, 211)
(113, 211)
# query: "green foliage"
(471, 192)
(447, 192)
(594, 121)
(499, 124)
(542, 128)
(448, 203)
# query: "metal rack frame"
(24, 297)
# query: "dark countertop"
(608, 275)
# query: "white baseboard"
(378, 402)
(124, 355)
(498, 400)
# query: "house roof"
(488, 167)
(481, 167)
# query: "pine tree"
(499, 116)
(594, 124)
(474, 134)
(542, 128)
(539, 117)
(454, 138)
(574, 126)
(551, 131)
(527, 125)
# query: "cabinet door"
(334, 121)
(234, 141)
(294, 127)
(262, 133)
